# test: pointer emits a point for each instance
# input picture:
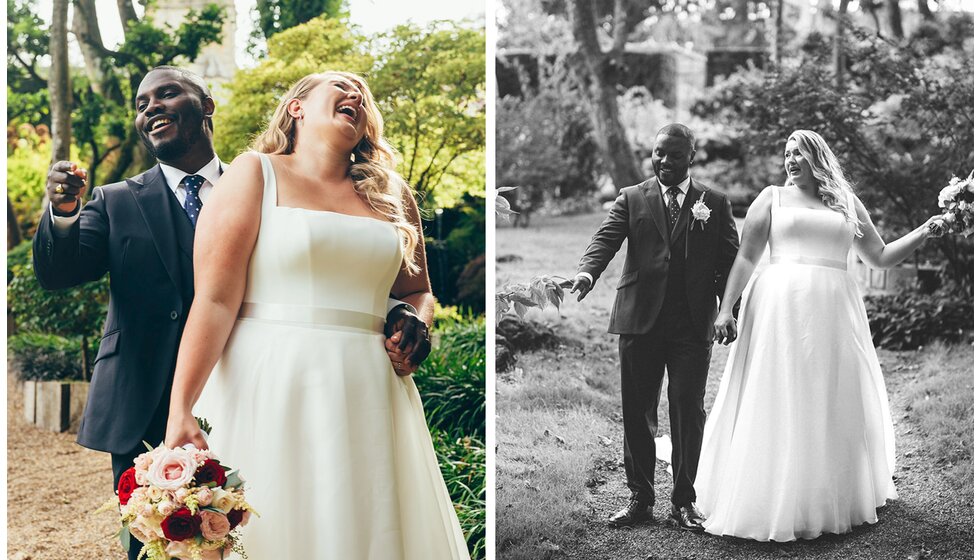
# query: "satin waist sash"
(311, 316)
(813, 261)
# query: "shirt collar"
(683, 186)
(211, 171)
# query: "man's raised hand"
(65, 187)
(582, 285)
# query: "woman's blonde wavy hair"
(834, 189)
(373, 167)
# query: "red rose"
(181, 525)
(127, 483)
(235, 517)
(210, 471)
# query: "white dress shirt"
(173, 176)
(683, 186)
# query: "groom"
(141, 231)
(682, 245)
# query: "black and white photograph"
(734, 279)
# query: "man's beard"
(176, 148)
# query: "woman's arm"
(873, 250)
(417, 291)
(755, 236)
(223, 244)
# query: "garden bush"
(908, 320)
(451, 381)
(47, 357)
(76, 313)
(463, 464)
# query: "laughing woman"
(296, 254)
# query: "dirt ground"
(53, 487)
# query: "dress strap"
(270, 194)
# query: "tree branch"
(29, 67)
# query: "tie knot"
(674, 191)
(192, 183)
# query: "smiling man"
(141, 232)
(682, 243)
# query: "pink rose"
(172, 470)
(204, 497)
(214, 526)
(179, 549)
(166, 507)
(180, 494)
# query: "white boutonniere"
(700, 212)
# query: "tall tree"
(894, 12)
(279, 15)
(85, 26)
(59, 83)
(839, 59)
(597, 71)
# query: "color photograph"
(246, 280)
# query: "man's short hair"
(677, 129)
(195, 81)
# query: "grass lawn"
(559, 437)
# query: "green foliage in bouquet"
(908, 320)
(73, 313)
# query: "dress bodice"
(321, 259)
(807, 234)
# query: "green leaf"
(124, 536)
(148, 446)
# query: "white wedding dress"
(333, 446)
(799, 441)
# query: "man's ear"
(208, 106)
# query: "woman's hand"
(938, 230)
(726, 328)
(183, 428)
(401, 360)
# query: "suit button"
(174, 315)
(667, 258)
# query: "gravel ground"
(53, 487)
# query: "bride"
(800, 439)
(296, 253)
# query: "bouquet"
(957, 201)
(181, 503)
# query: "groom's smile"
(672, 157)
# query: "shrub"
(47, 357)
(451, 381)
(908, 320)
(463, 464)
(76, 313)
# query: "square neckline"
(274, 187)
(779, 204)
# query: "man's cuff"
(587, 277)
(61, 225)
(396, 303)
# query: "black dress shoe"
(688, 517)
(637, 511)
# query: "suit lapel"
(651, 193)
(684, 219)
(153, 199)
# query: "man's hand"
(726, 329)
(65, 187)
(582, 285)
(407, 340)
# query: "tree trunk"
(839, 62)
(85, 26)
(127, 15)
(86, 374)
(777, 47)
(13, 228)
(871, 8)
(59, 84)
(925, 11)
(598, 79)
(894, 12)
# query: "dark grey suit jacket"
(640, 216)
(135, 231)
